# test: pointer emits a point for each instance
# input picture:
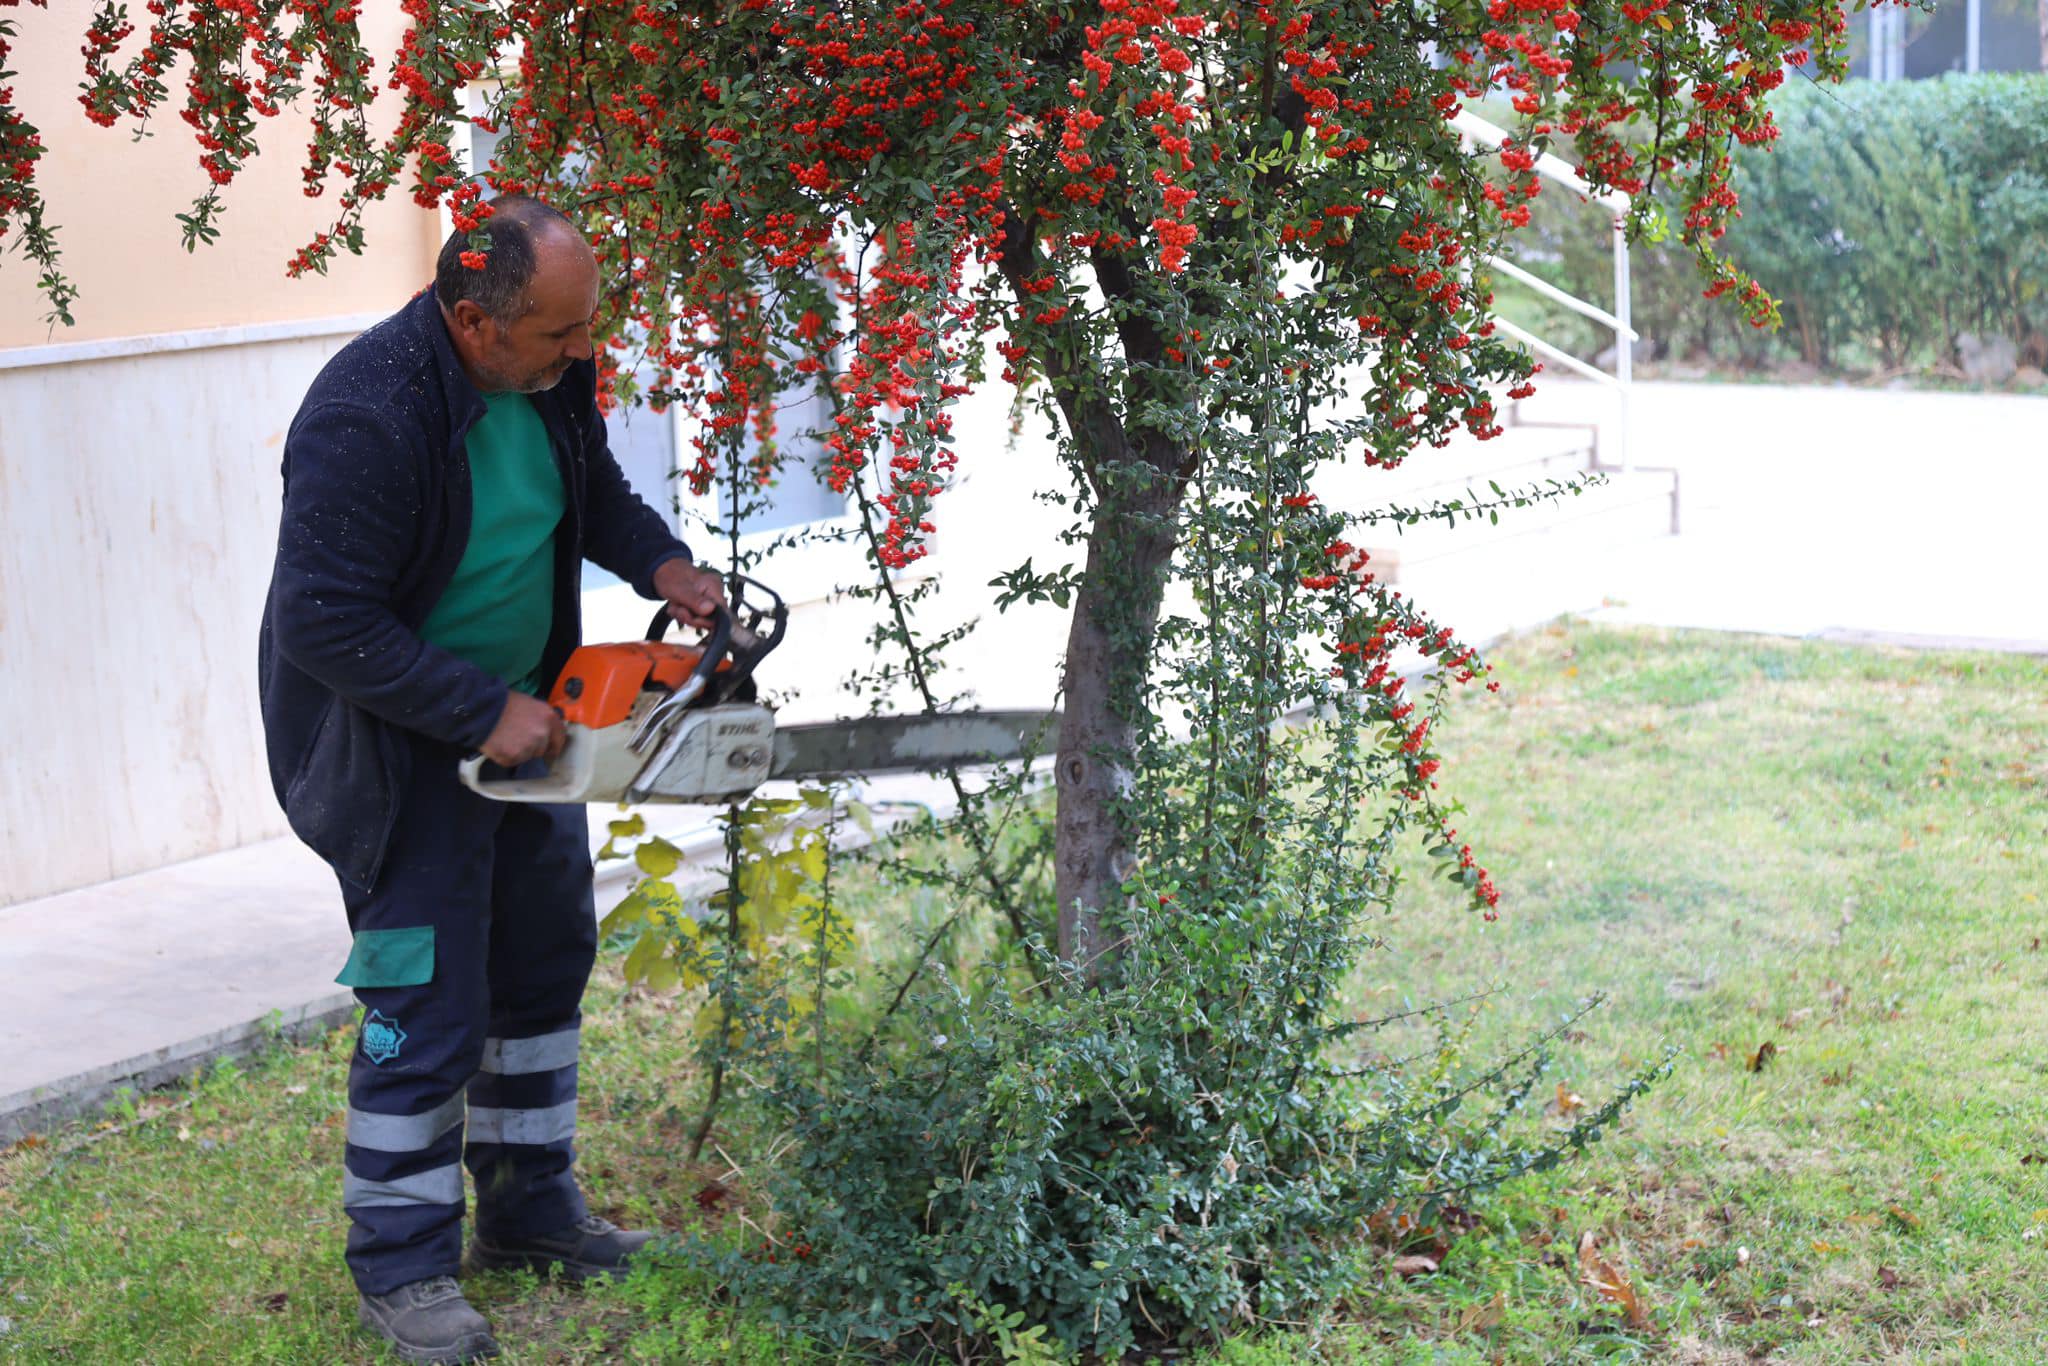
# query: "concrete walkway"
(1900, 517)
(133, 983)
(1860, 515)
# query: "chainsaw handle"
(716, 641)
(471, 771)
(750, 629)
(566, 779)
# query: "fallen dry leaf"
(1905, 1216)
(1412, 1265)
(1604, 1279)
(1480, 1318)
(276, 1303)
(1888, 1278)
(1763, 1055)
(2030, 1160)
(1568, 1101)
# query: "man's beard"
(540, 381)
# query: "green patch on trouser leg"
(390, 958)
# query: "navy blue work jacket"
(376, 517)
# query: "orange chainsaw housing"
(600, 683)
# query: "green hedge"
(1888, 220)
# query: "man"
(443, 481)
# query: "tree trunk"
(1109, 647)
(1138, 478)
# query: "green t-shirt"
(500, 606)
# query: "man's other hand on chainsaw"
(694, 593)
(528, 728)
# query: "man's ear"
(469, 317)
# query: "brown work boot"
(589, 1247)
(429, 1321)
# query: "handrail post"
(1624, 367)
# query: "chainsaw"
(658, 721)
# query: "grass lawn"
(1814, 871)
(1817, 872)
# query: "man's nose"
(579, 347)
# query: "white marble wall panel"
(138, 516)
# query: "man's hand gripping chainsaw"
(653, 721)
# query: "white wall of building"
(138, 516)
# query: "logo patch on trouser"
(382, 1038)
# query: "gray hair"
(499, 289)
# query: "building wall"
(138, 515)
(113, 200)
(139, 476)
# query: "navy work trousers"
(482, 1038)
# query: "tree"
(1225, 245)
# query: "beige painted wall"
(113, 200)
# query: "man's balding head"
(520, 321)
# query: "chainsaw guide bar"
(650, 721)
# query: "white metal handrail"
(1551, 291)
(1557, 353)
(1475, 130)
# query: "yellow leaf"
(657, 857)
(662, 974)
(1825, 1249)
(631, 911)
(709, 1018)
(862, 817)
(1739, 70)
(811, 861)
(1905, 1216)
(643, 957)
(635, 824)
(664, 902)
(1664, 23)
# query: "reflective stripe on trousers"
(490, 1038)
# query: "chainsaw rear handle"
(568, 774)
